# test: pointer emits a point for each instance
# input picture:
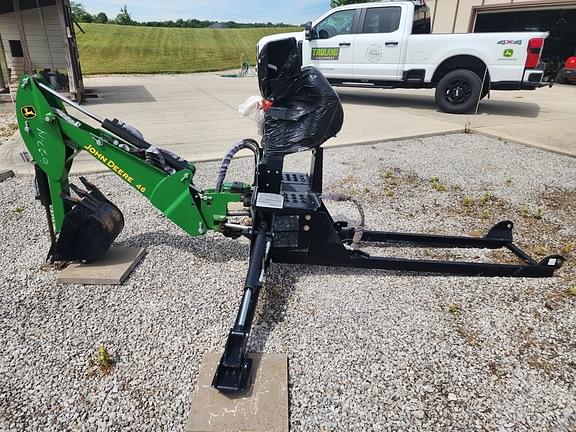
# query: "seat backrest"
(306, 110)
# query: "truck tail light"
(570, 63)
(534, 52)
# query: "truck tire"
(561, 76)
(458, 91)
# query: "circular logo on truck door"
(374, 53)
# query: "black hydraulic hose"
(249, 144)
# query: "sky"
(287, 11)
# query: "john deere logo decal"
(508, 52)
(28, 112)
(325, 53)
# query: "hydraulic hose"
(249, 144)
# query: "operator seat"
(306, 110)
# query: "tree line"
(80, 14)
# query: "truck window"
(340, 22)
(382, 20)
(421, 20)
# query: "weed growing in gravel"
(542, 249)
(454, 309)
(19, 210)
(437, 184)
(103, 362)
(538, 214)
(567, 249)
(468, 202)
(485, 199)
(525, 213)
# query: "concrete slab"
(6, 174)
(113, 269)
(196, 115)
(263, 409)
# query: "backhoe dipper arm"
(54, 137)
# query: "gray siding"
(36, 37)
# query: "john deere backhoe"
(288, 221)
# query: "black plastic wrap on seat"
(306, 111)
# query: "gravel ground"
(7, 125)
(368, 350)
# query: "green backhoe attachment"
(55, 136)
(282, 212)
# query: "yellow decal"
(325, 53)
(109, 163)
(28, 112)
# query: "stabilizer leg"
(233, 373)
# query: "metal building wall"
(45, 43)
(457, 16)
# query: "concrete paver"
(196, 115)
(264, 408)
(112, 269)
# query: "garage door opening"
(560, 22)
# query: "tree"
(101, 18)
(124, 17)
(79, 13)
(335, 3)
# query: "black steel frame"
(314, 238)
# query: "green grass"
(107, 48)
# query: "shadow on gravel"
(218, 249)
(274, 298)
(487, 106)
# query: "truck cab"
(367, 42)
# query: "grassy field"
(107, 48)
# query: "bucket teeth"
(92, 188)
(78, 191)
(90, 199)
(69, 199)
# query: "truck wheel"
(458, 91)
(561, 76)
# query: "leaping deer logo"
(28, 112)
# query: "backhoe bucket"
(90, 227)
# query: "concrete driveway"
(196, 115)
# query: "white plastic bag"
(252, 108)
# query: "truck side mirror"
(308, 32)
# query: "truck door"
(378, 44)
(331, 49)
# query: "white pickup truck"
(389, 45)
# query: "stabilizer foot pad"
(112, 269)
(264, 407)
